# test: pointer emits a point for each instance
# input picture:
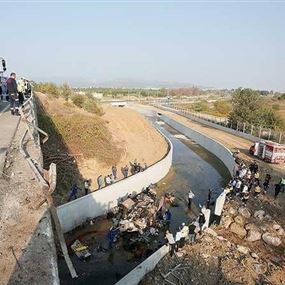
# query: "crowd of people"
(247, 181)
(103, 181)
(15, 91)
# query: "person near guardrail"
(21, 90)
(87, 184)
(114, 171)
(13, 95)
(100, 181)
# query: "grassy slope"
(74, 135)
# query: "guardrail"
(46, 179)
(251, 132)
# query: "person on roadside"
(114, 171)
(191, 196)
(21, 90)
(13, 95)
(171, 242)
(87, 184)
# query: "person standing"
(201, 221)
(282, 184)
(192, 233)
(171, 242)
(209, 199)
(100, 181)
(277, 190)
(178, 242)
(191, 195)
(21, 90)
(73, 192)
(126, 171)
(184, 234)
(266, 182)
(87, 186)
(13, 95)
(114, 171)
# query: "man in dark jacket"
(13, 95)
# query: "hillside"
(85, 145)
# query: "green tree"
(66, 91)
(246, 105)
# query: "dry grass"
(83, 133)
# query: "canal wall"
(219, 150)
(137, 274)
(98, 203)
(189, 115)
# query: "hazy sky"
(219, 44)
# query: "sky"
(210, 44)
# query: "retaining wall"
(137, 274)
(219, 150)
(98, 203)
(211, 124)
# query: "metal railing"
(244, 128)
(46, 179)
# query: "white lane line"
(4, 110)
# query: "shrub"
(222, 107)
(48, 88)
(91, 106)
(66, 91)
(78, 100)
(201, 106)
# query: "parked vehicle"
(268, 151)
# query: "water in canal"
(193, 168)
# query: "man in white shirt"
(191, 195)
(178, 237)
(171, 242)
(184, 234)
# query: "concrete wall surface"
(219, 150)
(98, 203)
(137, 274)
(211, 124)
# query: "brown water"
(194, 168)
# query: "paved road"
(8, 125)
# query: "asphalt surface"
(8, 126)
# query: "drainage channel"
(193, 168)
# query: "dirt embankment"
(85, 145)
